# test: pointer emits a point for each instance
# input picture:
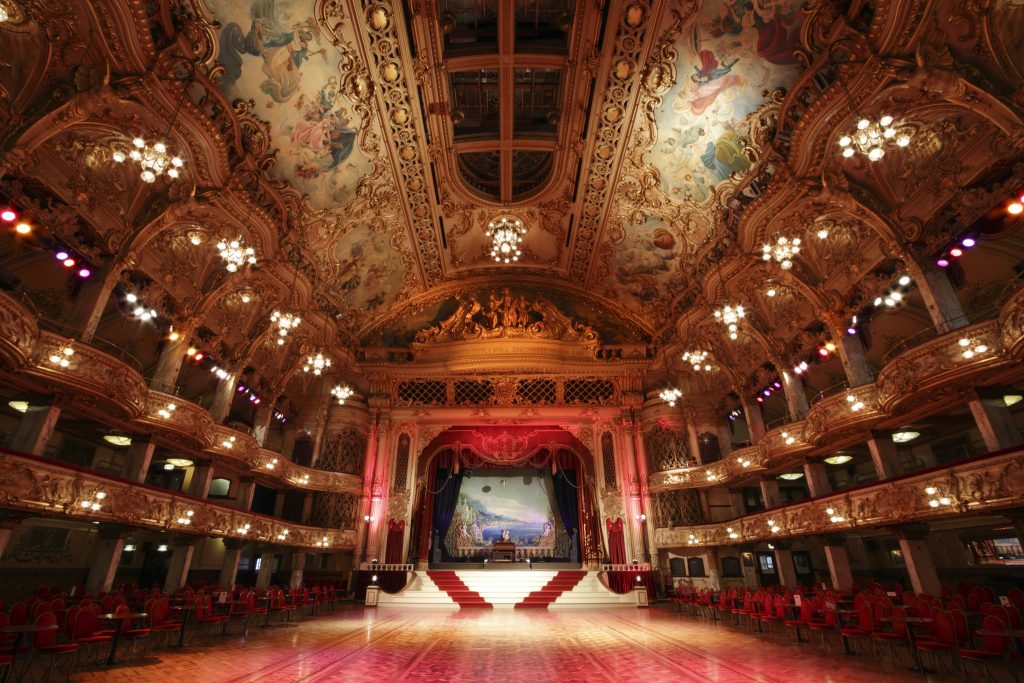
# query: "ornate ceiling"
(649, 146)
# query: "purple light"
(241, 388)
(84, 273)
(968, 242)
(767, 392)
(851, 330)
(62, 255)
(777, 385)
(942, 263)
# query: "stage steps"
(562, 582)
(454, 585)
(590, 592)
(421, 592)
(505, 589)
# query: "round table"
(119, 620)
(19, 632)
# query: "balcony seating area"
(966, 631)
(54, 632)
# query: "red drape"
(396, 537)
(618, 581)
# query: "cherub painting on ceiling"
(735, 51)
(368, 274)
(644, 260)
(274, 53)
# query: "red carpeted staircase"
(563, 581)
(450, 583)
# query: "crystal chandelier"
(286, 322)
(154, 159)
(698, 359)
(342, 392)
(506, 235)
(670, 396)
(871, 138)
(316, 364)
(236, 255)
(782, 251)
(730, 317)
(4, 14)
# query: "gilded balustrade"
(982, 485)
(46, 487)
(100, 380)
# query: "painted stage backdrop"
(514, 505)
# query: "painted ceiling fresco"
(734, 52)
(274, 53)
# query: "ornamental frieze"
(980, 486)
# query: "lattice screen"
(342, 451)
(536, 392)
(474, 392)
(608, 460)
(666, 449)
(401, 463)
(678, 508)
(589, 391)
(334, 510)
(423, 393)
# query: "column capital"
(233, 543)
(917, 531)
(113, 531)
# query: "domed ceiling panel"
(728, 59)
(274, 53)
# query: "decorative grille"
(608, 460)
(342, 451)
(536, 392)
(678, 508)
(589, 391)
(666, 449)
(423, 393)
(334, 510)
(401, 463)
(474, 392)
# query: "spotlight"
(8, 215)
(1016, 208)
(968, 242)
(823, 352)
(61, 255)
(23, 228)
(942, 263)
(760, 399)
(956, 252)
(851, 330)
(84, 273)
(69, 263)
(905, 280)
(198, 357)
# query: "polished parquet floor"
(624, 644)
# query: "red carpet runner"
(562, 582)
(450, 583)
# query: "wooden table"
(919, 666)
(119, 620)
(19, 632)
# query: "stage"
(356, 645)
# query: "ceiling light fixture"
(871, 137)
(62, 356)
(506, 234)
(730, 317)
(236, 254)
(784, 251)
(791, 476)
(670, 396)
(22, 406)
(838, 459)
(1008, 400)
(316, 364)
(698, 359)
(342, 393)
(286, 322)
(118, 439)
(154, 159)
(905, 436)
(179, 462)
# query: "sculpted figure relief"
(506, 315)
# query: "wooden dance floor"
(622, 644)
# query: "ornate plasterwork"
(503, 315)
(976, 487)
(45, 487)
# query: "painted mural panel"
(274, 54)
(645, 262)
(729, 56)
(369, 275)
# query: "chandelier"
(698, 359)
(670, 396)
(782, 251)
(236, 255)
(342, 392)
(506, 235)
(154, 159)
(730, 317)
(871, 138)
(316, 364)
(286, 322)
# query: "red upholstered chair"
(993, 650)
(19, 614)
(746, 609)
(942, 638)
(827, 623)
(1016, 596)
(895, 635)
(239, 611)
(45, 645)
(264, 612)
(160, 622)
(85, 631)
(130, 631)
(863, 628)
(803, 621)
(775, 613)
(204, 614)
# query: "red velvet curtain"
(396, 536)
(618, 581)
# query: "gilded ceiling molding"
(44, 487)
(983, 485)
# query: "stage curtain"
(396, 534)
(566, 497)
(445, 501)
(618, 581)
